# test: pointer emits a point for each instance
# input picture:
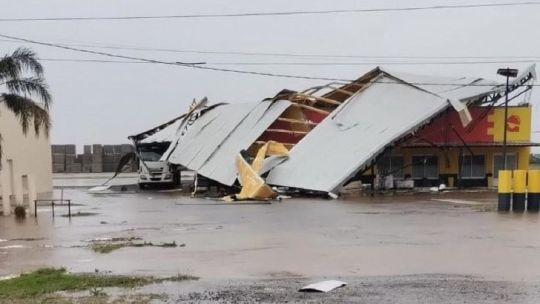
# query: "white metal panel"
(456, 88)
(271, 162)
(354, 134)
(207, 133)
(164, 135)
(221, 165)
(212, 142)
(324, 286)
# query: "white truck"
(152, 170)
(149, 148)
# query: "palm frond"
(31, 86)
(28, 111)
(22, 59)
(9, 69)
(42, 120)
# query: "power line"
(196, 66)
(328, 56)
(305, 63)
(170, 63)
(371, 63)
(283, 13)
(89, 60)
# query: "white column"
(6, 189)
(32, 194)
(17, 185)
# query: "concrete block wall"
(86, 159)
(58, 158)
(95, 158)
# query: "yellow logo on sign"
(518, 124)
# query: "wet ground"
(409, 289)
(72, 180)
(405, 248)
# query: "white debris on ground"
(459, 201)
(14, 247)
(324, 286)
(100, 189)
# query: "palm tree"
(21, 80)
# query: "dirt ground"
(409, 289)
(422, 248)
(384, 289)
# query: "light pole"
(508, 72)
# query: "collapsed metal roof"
(162, 133)
(343, 128)
(211, 143)
(385, 109)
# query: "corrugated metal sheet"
(167, 134)
(456, 88)
(211, 144)
(206, 134)
(351, 137)
(220, 166)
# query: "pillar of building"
(32, 194)
(6, 190)
(18, 190)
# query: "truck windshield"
(153, 152)
(150, 156)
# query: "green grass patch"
(46, 281)
(171, 244)
(108, 247)
(49, 280)
(178, 278)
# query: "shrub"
(20, 212)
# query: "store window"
(473, 166)
(387, 165)
(498, 163)
(425, 166)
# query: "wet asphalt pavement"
(423, 248)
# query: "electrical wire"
(138, 48)
(195, 66)
(199, 66)
(283, 13)
(307, 63)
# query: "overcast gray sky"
(106, 102)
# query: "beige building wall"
(26, 163)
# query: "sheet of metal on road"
(363, 126)
(211, 144)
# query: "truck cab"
(152, 170)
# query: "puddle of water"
(395, 235)
(9, 277)
(459, 201)
(14, 247)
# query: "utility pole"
(508, 72)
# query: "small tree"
(21, 80)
